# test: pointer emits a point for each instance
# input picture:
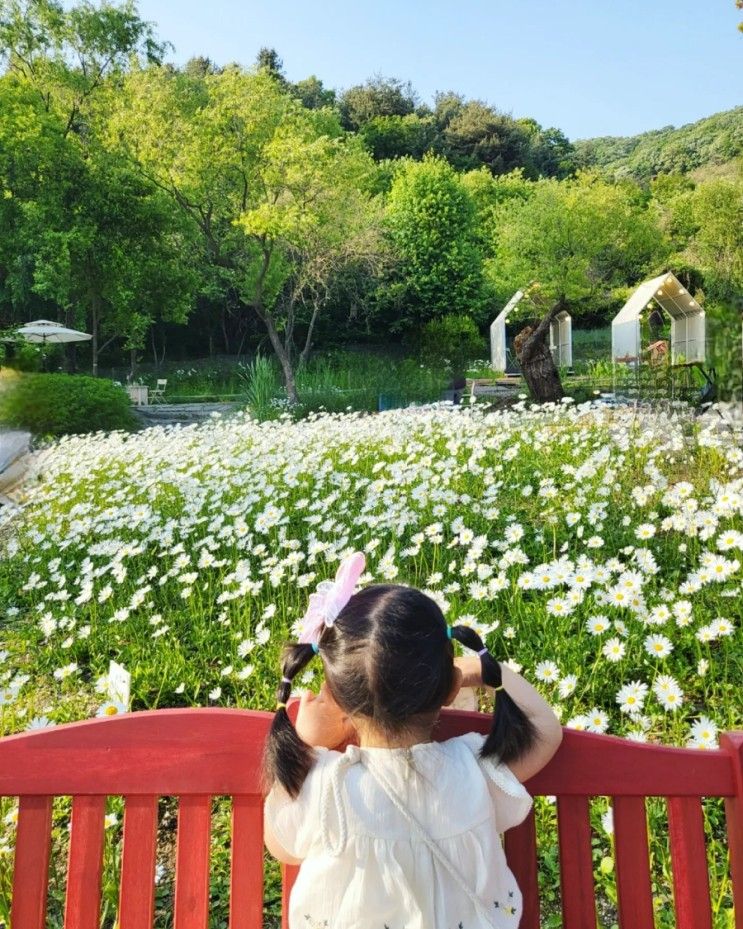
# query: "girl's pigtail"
(512, 733)
(287, 759)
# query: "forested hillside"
(715, 140)
(199, 210)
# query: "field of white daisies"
(597, 549)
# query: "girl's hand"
(471, 670)
(321, 722)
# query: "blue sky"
(590, 67)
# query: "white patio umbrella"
(46, 331)
(43, 330)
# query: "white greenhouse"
(688, 331)
(561, 336)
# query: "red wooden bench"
(195, 755)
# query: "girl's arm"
(532, 703)
(322, 724)
(273, 844)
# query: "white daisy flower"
(658, 646)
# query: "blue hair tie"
(448, 632)
(315, 648)
(483, 651)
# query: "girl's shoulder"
(471, 744)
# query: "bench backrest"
(197, 754)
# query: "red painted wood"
(31, 867)
(165, 752)
(197, 753)
(576, 863)
(691, 896)
(246, 871)
(137, 888)
(219, 752)
(521, 854)
(288, 876)
(85, 863)
(732, 744)
(632, 865)
(192, 863)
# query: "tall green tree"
(89, 240)
(66, 53)
(432, 228)
(268, 184)
(312, 93)
(716, 248)
(379, 96)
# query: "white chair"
(158, 391)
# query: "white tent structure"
(561, 336)
(561, 339)
(498, 333)
(688, 330)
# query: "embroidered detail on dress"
(505, 907)
(507, 782)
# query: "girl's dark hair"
(388, 657)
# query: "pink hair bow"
(331, 597)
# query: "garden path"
(14, 449)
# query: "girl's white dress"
(395, 838)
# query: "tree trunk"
(305, 356)
(70, 348)
(132, 363)
(535, 358)
(282, 355)
(95, 314)
(225, 333)
(270, 324)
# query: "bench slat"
(634, 893)
(691, 895)
(246, 868)
(732, 744)
(576, 863)
(521, 853)
(85, 863)
(31, 867)
(137, 890)
(192, 862)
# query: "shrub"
(452, 340)
(59, 404)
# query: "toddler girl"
(399, 831)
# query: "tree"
(550, 153)
(312, 93)
(199, 66)
(571, 239)
(399, 136)
(472, 134)
(268, 59)
(66, 55)
(432, 228)
(379, 96)
(716, 247)
(273, 189)
(89, 241)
